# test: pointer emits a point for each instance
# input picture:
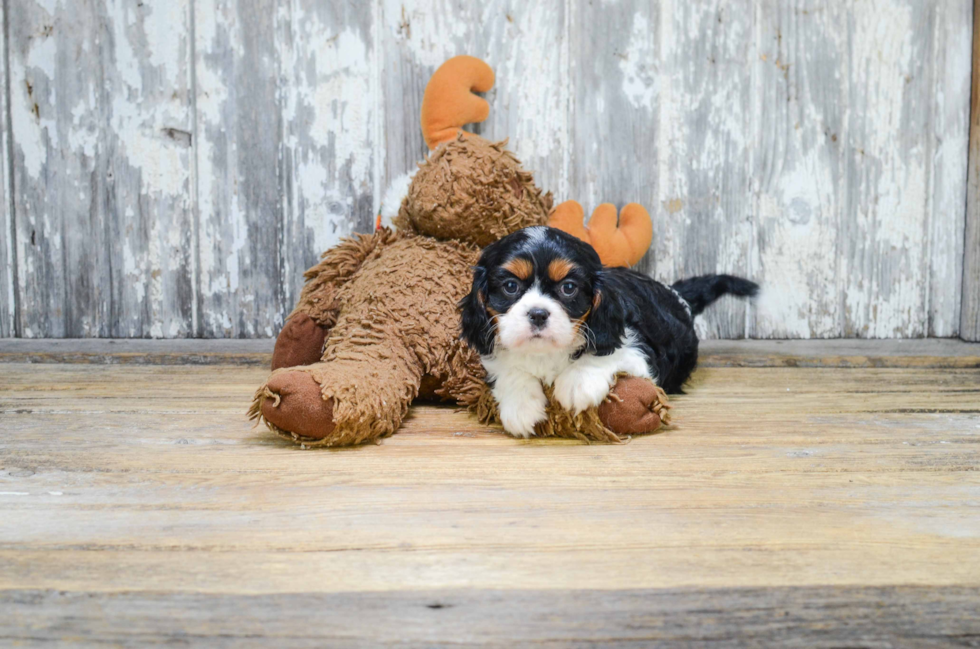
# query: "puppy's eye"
(568, 289)
(511, 287)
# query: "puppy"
(543, 309)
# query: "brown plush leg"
(293, 403)
(299, 343)
(636, 407)
(391, 323)
(359, 398)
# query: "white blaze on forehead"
(514, 327)
(534, 234)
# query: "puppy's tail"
(700, 292)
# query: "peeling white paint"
(822, 152)
(886, 288)
(428, 31)
(165, 47)
(331, 105)
(527, 105)
(49, 6)
(34, 133)
(641, 81)
(952, 52)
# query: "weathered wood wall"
(970, 310)
(170, 167)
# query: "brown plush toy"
(376, 326)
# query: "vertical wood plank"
(60, 167)
(329, 77)
(8, 298)
(616, 78)
(101, 137)
(148, 142)
(522, 42)
(949, 95)
(970, 309)
(884, 259)
(239, 189)
(798, 180)
(817, 147)
(288, 117)
(703, 215)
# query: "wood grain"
(842, 353)
(239, 190)
(101, 121)
(614, 139)
(951, 43)
(289, 116)
(8, 262)
(970, 312)
(522, 41)
(52, 303)
(806, 505)
(798, 168)
(703, 206)
(332, 118)
(886, 201)
(804, 617)
(172, 175)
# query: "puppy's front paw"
(577, 390)
(520, 417)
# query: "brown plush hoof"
(631, 411)
(299, 343)
(300, 408)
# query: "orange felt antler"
(617, 246)
(449, 102)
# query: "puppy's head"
(540, 290)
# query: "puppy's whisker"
(588, 334)
(490, 329)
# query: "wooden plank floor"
(809, 506)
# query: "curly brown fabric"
(394, 321)
(472, 190)
(604, 424)
(386, 306)
(337, 265)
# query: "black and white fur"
(543, 309)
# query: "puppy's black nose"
(538, 317)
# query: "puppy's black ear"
(607, 323)
(477, 328)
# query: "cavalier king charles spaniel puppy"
(543, 309)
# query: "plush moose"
(376, 326)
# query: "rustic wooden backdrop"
(171, 167)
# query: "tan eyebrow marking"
(558, 269)
(521, 268)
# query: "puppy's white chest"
(544, 367)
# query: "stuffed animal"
(377, 327)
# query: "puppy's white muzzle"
(536, 323)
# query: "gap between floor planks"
(927, 352)
(135, 477)
(836, 506)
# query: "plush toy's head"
(472, 190)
